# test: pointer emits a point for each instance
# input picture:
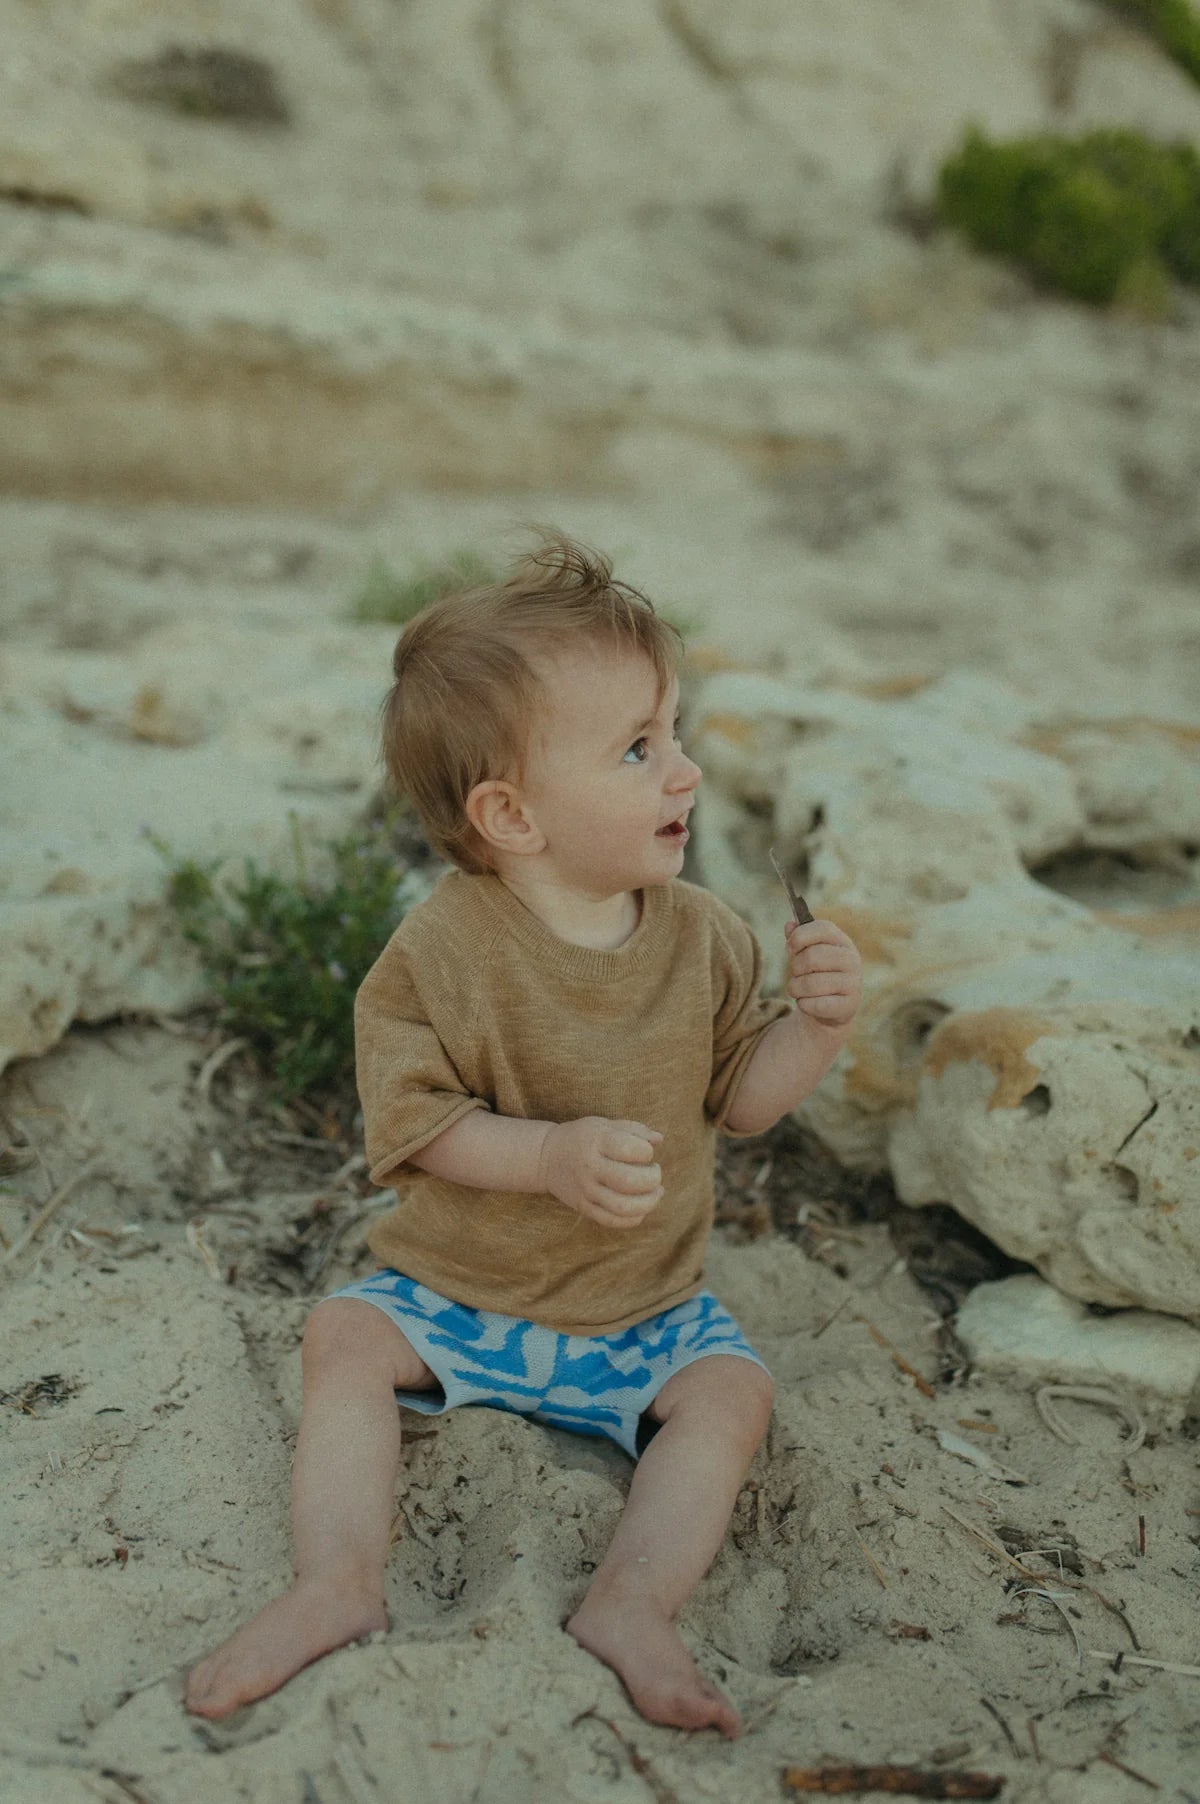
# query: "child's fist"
(603, 1169)
(824, 972)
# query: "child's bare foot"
(311, 1619)
(640, 1642)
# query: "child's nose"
(687, 776)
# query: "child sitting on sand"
(546, 1049)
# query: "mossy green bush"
(1106, 217)
(206, 82)
(1175, 24)
(285, 955)
(390, 597)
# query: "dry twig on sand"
(1038, 1578)
(1123, 1659)
(49, 1208)
(663, 1793)
(214, 1062)
(1040, 1591)
(911, 1781)
(876, 1568)
(881, 1340)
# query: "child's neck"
(600, 923)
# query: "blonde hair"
(467, 686)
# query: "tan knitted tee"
(474, 1004)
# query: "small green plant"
(1172, 23)
(1111, 216)
(286, 955)
(387, 596)
(206, 82)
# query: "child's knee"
(329, 1337)
(723, 1391)
(345, 1335)
(744, 1403)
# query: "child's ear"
(497, 813)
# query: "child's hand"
(824, 972)
(603, 1169)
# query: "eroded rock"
(1024, 1328)
(1027, 1057)
(208, 740)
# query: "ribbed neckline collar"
(560, 955)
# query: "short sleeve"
(407, 1083)
(741, 1014)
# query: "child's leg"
(343, 1498)
(714, 1414)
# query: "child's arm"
(825, 978)
(602, 1169)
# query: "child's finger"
(615, 1211)
(824, 965)
(639, 1128)
(833, 1010)
(815, 933)
(834, 953)
(624, 1178)
(631, 1143)
(819, 983)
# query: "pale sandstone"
(1021, 1054)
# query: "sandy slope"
(851, 1615)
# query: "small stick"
(1038, 1578)
(641, 1766)
(1040, 1591)
(1001, 1553)
(352, 1775)
(830, 1319)
(872, 1562)
(49, 1208)
(1129, 1772)
(881, 1340)
(1009, 1737)
(1188, 1672)
(213, 1063)
(1141, 1534)
(913, 1781)
(800, 909)
(194, 1235)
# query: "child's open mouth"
(673, 830)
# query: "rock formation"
(1029, 1045)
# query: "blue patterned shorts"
(591, 1384)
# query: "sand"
(864, 1608)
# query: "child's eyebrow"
(642, 726)
(634, 733)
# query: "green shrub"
(1104, 217)
(285, 956)
(387, 596)
(1175, 25)
(206, 82)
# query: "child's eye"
(637, 752)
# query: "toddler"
(546, 1049)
